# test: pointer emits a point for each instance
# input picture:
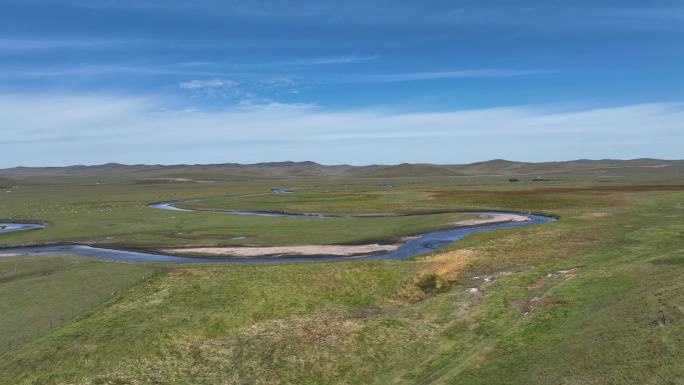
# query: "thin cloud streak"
(211, 83)
(198, 69)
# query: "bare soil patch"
(249, 251)
(491, 219)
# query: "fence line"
(71, 313)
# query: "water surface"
(10, 227)
(419, 245)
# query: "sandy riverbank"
(337, 250)
(490, 219)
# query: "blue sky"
(359, 82)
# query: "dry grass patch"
(328, 346)
(440, 273)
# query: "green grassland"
(37, 291)
(595, 298)
(116, 214)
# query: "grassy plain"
(595, 298)
(36, 291)
(116, 214)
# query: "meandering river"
(422, 244)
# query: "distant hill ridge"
(313, 169)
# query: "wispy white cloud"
(62, 129)
(247, 93)
(211, 83)
(279, 80)
(267, 105)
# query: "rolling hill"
(307, 169)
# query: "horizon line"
(340, 164)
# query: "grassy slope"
(616, 319)
(178, 314)
(40, 289)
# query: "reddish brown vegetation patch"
(619, 188)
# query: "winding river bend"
(172, 205)
(422, 244)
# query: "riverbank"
(334, 250)
(492, 219)
(247, 251)
(413, 246)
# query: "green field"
(116, 214)
(594, 298)
(45, 290)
